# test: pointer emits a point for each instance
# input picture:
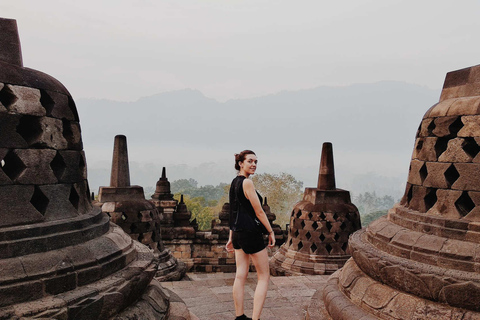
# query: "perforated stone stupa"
(422, 261)
(127, 207)
(320, 225)
(60, 257)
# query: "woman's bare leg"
(242, 261)
(260, 260)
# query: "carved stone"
(319, 227)
(422, 260)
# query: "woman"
(245, 235)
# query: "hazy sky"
(229, 49)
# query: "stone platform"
(209, 295)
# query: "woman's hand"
(229, 245)
(271, 239)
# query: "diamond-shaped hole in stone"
(58, 166)
(148, 225)
(451, 175)
(296, 233)
(315, 225)
(423, 172)
(140, 237)
(47, 102)
(313, 248)
(322, 237)
(441, 145)
(336, 237)
(322, 216)
(290, 243)
(151, 214)
(154, 236)
(68, 133)
(431, 198)
(310, 215)
(39, 201)
(419, 145)
(343, 226)
(29, 128)
(328, 247)
(308, 235)
(299, 213)
(293, 212)
(139, 216)
(431, 127)
(302, 224)
(470, 147)
(300, 245)
(73, 108)
(345, 246)
(329, 225)
(133, 228)
(335, 216)
(464, 204)
(456, 126)
(7, 97)
(74, 198)
(13, 165)
(409, 194)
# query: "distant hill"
(376, 118)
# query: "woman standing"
(246, 238)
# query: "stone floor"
(209, 295)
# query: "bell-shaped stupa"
(127, 207)
(319, 228)
(422, 261)
(60, 257)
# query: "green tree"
(282, 190)
(368, 218)
(200, 210)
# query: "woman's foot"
(243, 317)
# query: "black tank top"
(238, 220)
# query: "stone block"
(446, 203)
(57, 105)
(471, 126)
(442, 125)
(455, 152)
(70, 166)
(414, 176)
(378, 296)
(464, 106)
(425, 127)
(436, 177)
(20, 292)
(16, 205)
(441, 108)
(463, 295)
(469, 178)
(37, 166)
(26, 101)
(429, 244)
(418, 198)
(59, 204)
(11, 269)
(461, 250)
(406, 238)
(402, 306)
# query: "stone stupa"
(60, 257)
(320, 225)
(127, 207)
(422, 261)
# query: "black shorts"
(249, 242)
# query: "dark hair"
(240, 157)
